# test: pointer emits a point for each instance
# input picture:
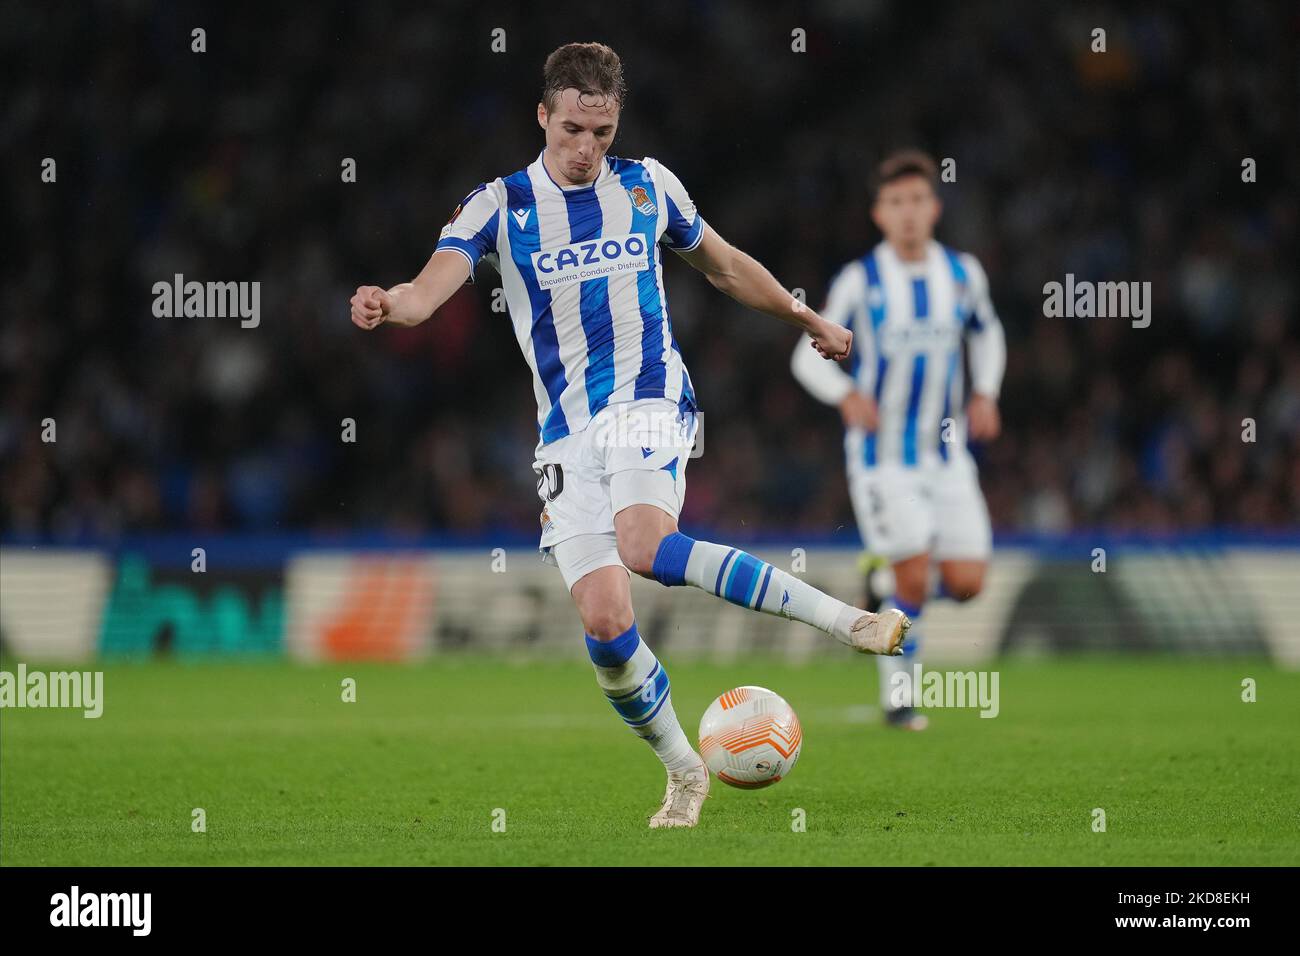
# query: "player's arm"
(410, 303)
(826, 381)
(745, 279)
(987, 347)
(470, 234)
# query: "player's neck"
(915, 252)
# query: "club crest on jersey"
(641, 201)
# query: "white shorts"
(940, 510)
(631, 453)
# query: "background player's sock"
(743, 579)
(891, 697)
(637, 685)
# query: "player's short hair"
(590, 68)
(906, 162)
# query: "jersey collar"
(600, 176)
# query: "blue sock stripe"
(757, 567)
(717, 585)
(763, 590)
(616, 652)
(743, 579)
(669, 566)
(640, 689)
(639, 708)
(648, 717)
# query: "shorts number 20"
(550, 481)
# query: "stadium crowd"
(226, 165)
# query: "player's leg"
(631, 677)
(892, 509)
(578, 537)
(628, 672)
(964, 539)
(897, 703)
(647, 487)
(652, 546)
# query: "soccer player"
(576, 237)
(910, 303)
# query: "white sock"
(637, 685)
(744, 580)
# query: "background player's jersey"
(908, 322)
(583, 280)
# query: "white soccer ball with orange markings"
(750, 737)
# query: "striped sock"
(637, 685)
(744, 580)
(889, 666)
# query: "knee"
(606, 624)
(604, 603)
(965, 585)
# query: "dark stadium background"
(225, 166)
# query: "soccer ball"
(750, 737)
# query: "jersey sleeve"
(985, 340)
(472, 228)
(685, 227)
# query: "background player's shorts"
(630, 453)
(903, 512)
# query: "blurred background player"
(575, 236)
(910, 303)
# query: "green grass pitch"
(412, 772)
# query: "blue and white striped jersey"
(583, 281)
(908, 321)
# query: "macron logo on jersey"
(521, 216)
(579, 261)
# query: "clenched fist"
(371, 306)
(831, 341)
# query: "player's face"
(579, 131)
(906, 211)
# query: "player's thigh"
(640, 528)
(893, 511)
(964, 535)
(646, 479)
